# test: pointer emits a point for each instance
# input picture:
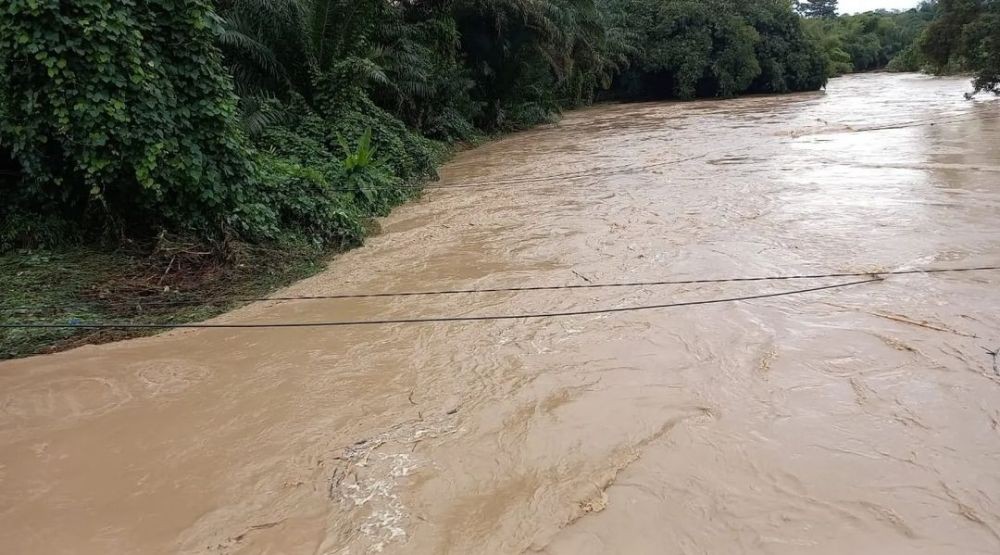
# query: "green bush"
(909, 59)
(296, 200)
(350, 114)
(322, 190)
(120, 115)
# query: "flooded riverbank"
(856, 419)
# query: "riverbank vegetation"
(241, 127)
(937, 36)
(965, 36)
(873, 40)
(269, 120)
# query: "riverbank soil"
(863, 419)
(171, 282)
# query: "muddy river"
(857, 420)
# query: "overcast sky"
(853, 6)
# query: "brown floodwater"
(856, 420)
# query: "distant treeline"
(938, 36)
(873, 40)
(297, 120)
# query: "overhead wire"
(441, 292)
(443, 319)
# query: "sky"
(853, 6)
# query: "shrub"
(113, 123)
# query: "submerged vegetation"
(289, 124)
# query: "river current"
(864, 419)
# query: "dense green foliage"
(274, 120)
(818, 8)
(108, 118)
(941, 36)
(966, 35)
(872, 40)
(714, 48)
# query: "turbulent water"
(857, 420)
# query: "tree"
(789, 60)
(818, 8)
(714, 48)
(966, 36)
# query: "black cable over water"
(446, 319)
(180, 302)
